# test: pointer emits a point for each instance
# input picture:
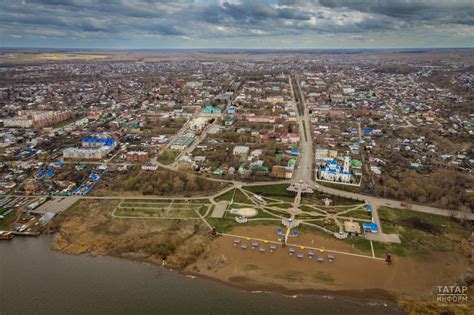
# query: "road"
(304, 172)
(196, 142)
(376, 201)
(304, 169)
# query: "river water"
(35, 279)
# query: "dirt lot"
(408, 276)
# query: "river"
(36, 279)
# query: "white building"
(334, 172)
(198, 124)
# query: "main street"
(304, 172)
(304, 169)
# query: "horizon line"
(237, 49)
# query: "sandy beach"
(406, 276)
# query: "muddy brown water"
(37, 280)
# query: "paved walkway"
(219, 209)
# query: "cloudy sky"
(236, 23)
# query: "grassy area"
(270, 190)
(285, 205)
(227, 196)
(88, 227)
(162, 201)
(146, 213)
(168, 156)
(359, 214)
(226, 224)
(353, 189)
(262, 214)
(317, 199)
(420, 233)
(309, 209)
(144, 205)
(182, 214)
(222, 225)
(238, 196)
(203, 209)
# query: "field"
(89, 227)
(159, 209)
(422, 233)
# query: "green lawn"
(349, 188)
(359, 214)
(317, 199)
(421, 233)
(238, 196)
(270, 190)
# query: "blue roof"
(371, 226)
(105, 141)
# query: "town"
(340, 157)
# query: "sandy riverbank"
(187, 248)
(406, 276)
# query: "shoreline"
(363, 295)
(403, 302)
